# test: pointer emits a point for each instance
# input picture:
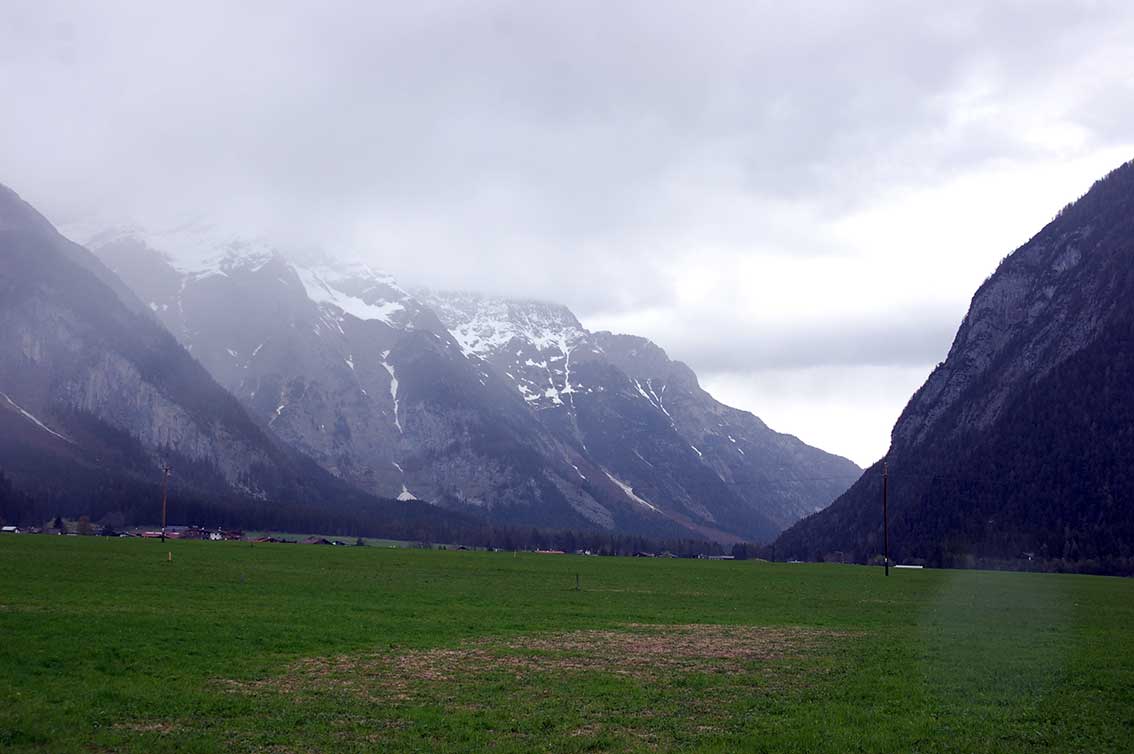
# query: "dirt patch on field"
(160, 727)
(639, 651)
(644, 652)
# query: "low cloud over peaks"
(603, 155)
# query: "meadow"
(106, 646)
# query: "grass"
(105, 646)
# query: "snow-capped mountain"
(528, 342)
(348, 368)
(642, 417)
(510, 408)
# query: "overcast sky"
(797, 199)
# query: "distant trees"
(113, 521)
(120, 502)
(15, 506)
(746, 551)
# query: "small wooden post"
(576, 582)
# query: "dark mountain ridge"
(1020, 445)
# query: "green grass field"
(105, 646)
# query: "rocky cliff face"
(1017, 400)
(74, 345)
(1024, 321)
(774, 473)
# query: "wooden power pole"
(886, 515)
(164, 486)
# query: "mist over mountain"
(502, 408)
(96, 397)
(1020, 445)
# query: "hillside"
(1020, 444)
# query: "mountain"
(346, 367)
(643, 418)
(1020, 445)
(96, 395)
(431, 396)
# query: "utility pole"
(886, 514)
(164, 485)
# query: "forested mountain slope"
(1020, 445)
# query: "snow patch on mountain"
(630, 491)
(199, 251)
(483, 325)
(393, 388)
(192, 248)
(530, 342)
(34, 420)
(324, 285)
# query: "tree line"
(117, 502)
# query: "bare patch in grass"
(589, 730)
(160, 727)
(642, 652)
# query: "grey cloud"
(576, 115)
(568, 151)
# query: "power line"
(886, 515)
